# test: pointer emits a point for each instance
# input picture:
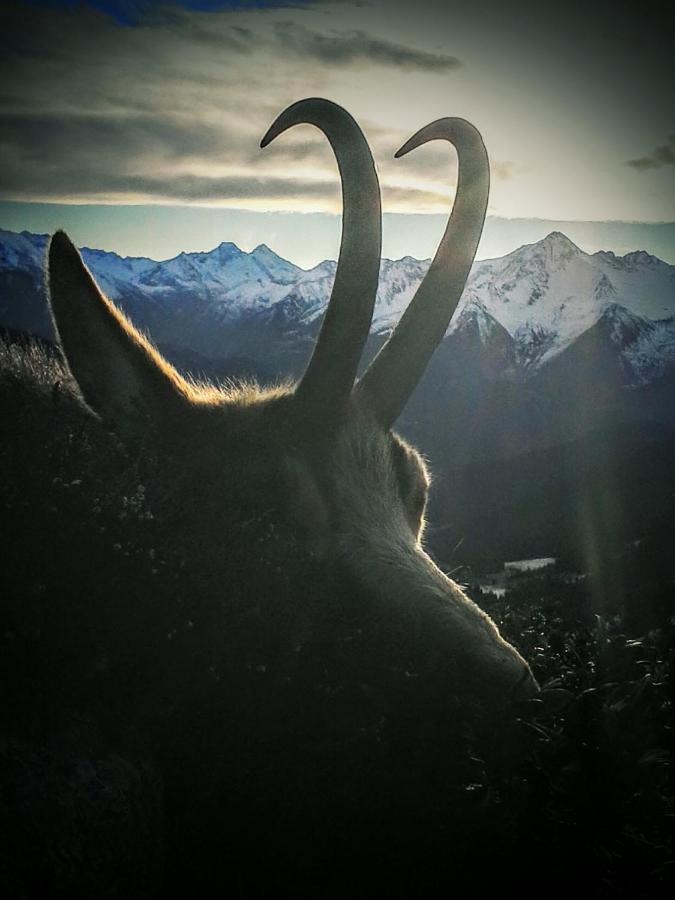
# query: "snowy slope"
(23, 252)
(545, 295)
(233, 281)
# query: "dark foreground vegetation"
(589, 808)
(121, 744)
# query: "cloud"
(236, 191)
(407, 199)
(172, 109)
(144, 157)
(52, 139)
(137, 139)
(661, 156)
(503, 170)
(344, 48)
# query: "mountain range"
(553, 354)
(539, 298)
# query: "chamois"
(225, 647)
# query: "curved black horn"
(393, 374)
(330, 375)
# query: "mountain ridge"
(545, 295)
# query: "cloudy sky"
(137, 124)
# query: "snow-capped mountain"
(542, 297)
(547, 294)
(232, 281)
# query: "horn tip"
(406, 148)
(267, 138)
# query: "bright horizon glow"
(306, 239)
(169, 107)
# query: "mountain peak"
(227, 248)
(326, 266)
(641, 257)
(559, 243)
(278, 268)
(475, 318)
(263, 252)
(622, 325)
(553, 251)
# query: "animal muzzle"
(507, 674)
(526, 687)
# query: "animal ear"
(122, 377)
